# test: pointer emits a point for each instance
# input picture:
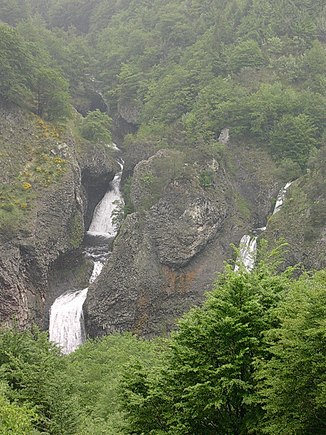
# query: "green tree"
(13, 11)
(293, 381)
(217, 106)
(96, 126)
(34, 371)
(266, 106)
(52, 97)
(171, 96)
(16, 67)
(96, 369)
(313, 67)
(207, 384)
(294, 137)
(15, 419)
(246, 54)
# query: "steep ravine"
(40, 254)
(188, 209)
(66, 325)
(168, 251)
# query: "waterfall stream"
(102, 224)
(247, 253)
(67, 327)
(281, 197)
(248, 244)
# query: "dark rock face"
(167, 253)
(97, 171)
(55, 226)
(256, 180)
(144, 289)
(130, 111)
(51, 234)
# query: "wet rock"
(167, 253)
(52, 227)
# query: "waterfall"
(248, 244)
(67, 327)
(103, 220)
(66, 316)
(280, 197)
(247, 253)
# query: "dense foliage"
(28, 80)
(37, 389)
(207, 384)
(186, 65)
(96, 127)
(293, 381)
(251, 360)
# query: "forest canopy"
(257, 67)
(232, 366)
(174, 74)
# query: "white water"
(66, 316)
(247, 253)
(67, 327)
(248, 244)
(281, 197)
(102, 224)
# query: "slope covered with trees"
(251, 360)
(189, 68)
(171, 74)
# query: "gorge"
(176, 284)
(248, 244)
(67, 328)
(66, 325)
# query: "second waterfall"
(248, 243)
(66, 314)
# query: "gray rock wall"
(168, 252)
(51, 230)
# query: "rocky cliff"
(187, 214)
(47, 195)
(189, 206)
(301, 222)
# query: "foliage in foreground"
(251, 360)
(293, 381)
(38, 390)
(15, 419)
(243, 363)
(96, 368)
(207, 385)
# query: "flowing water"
(67, 327)
(280, 197)
(248, 244)
(247, 253)
(103, 219)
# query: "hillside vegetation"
(179, 70)
(176, 72)
(251, 360)
(172, 74)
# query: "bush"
(34, 371)
(96, 126)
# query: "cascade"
(67, 327)
(247, 253)
(102, 224)
(280, 197)
(248, 244)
